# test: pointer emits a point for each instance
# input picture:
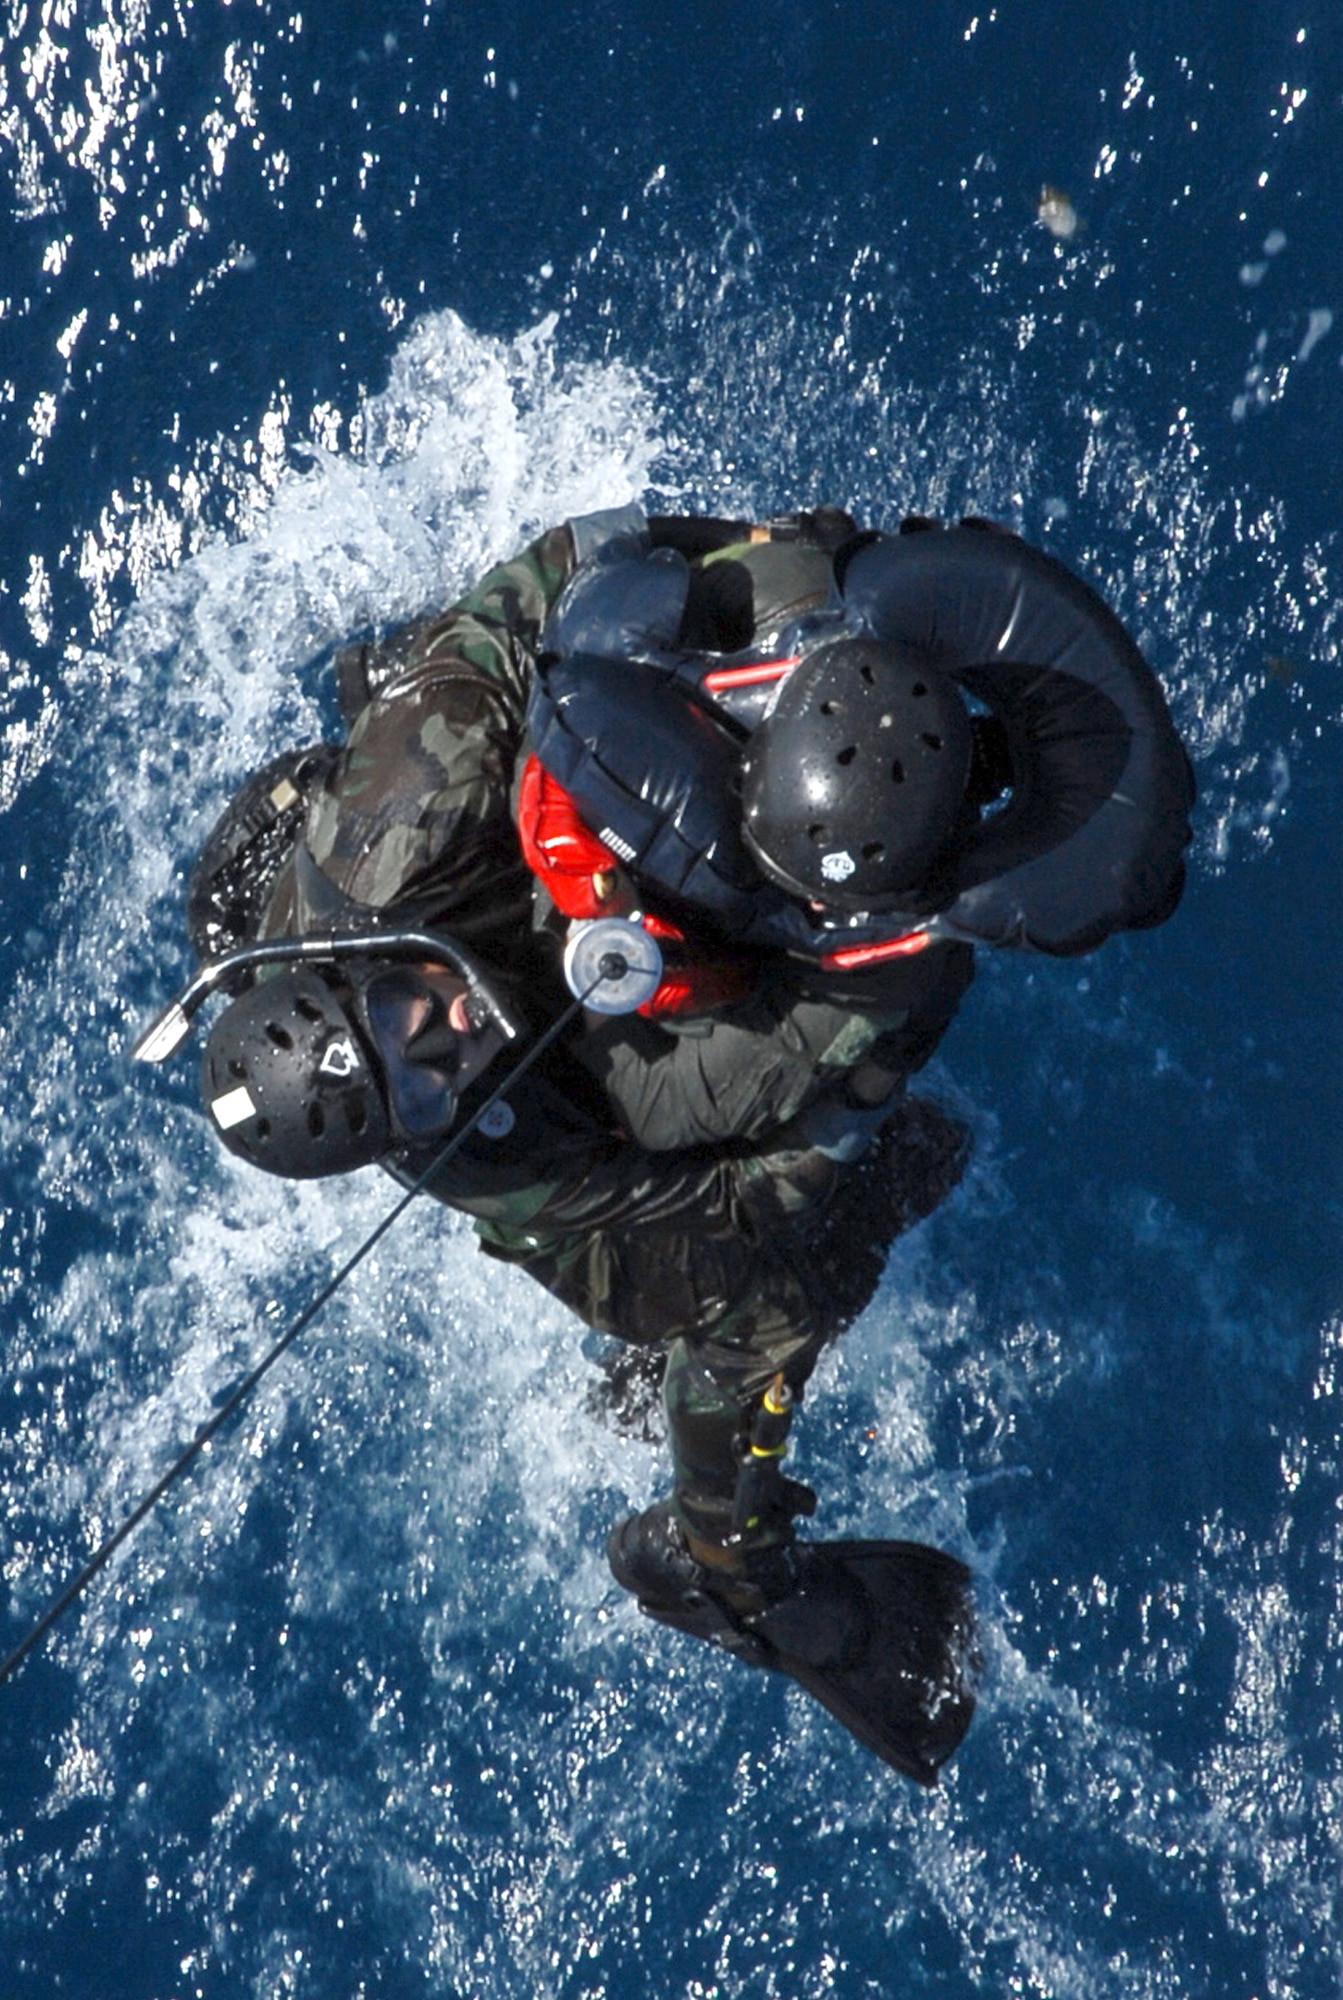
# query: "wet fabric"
(1089, 838)
(416, 812)
(740, 1267)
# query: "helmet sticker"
(838, 867)
(498, 1121)
(230, 1109)
(340, 1058)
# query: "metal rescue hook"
(593, 952)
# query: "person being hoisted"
(722, 1173)
(906, 745)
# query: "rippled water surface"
(305, 316)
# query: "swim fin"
(881, 1634)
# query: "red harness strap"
(694, 985)
(564, 855)
(853, 957)
(557, 847)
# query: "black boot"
(650, 1556)
(880, 1633)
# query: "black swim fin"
(880, 1633)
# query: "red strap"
(662, 928)
(722, 679)
(852, 957)
(557, 847)
(698, 989)
(564, 855)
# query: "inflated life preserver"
(1092, 837)
(1087, 838)
(653, 772)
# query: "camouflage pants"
(733, 1306)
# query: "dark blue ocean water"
(306, 314)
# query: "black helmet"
(854, 782)
(307, 1076)
(289, 1081)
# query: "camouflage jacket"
(414, 820)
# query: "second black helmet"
(853, 785)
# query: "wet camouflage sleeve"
(417, 807)
(763, 1060)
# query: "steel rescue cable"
(612, 967)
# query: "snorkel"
(167, 1032)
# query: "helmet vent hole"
(237, 1068)
(933, 742)
(263, 1128)
(847, 755)
(819, 835)
(280, 1036)
(874, 850)
(316, 1120)
(866, 675)
(919, 688)
(829, 708)
(356, 1114)
(309, 1009)
(897, 772)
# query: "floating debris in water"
(1055, 210)
(1274, 242)
(1321, 319)
(1282, 667)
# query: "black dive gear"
(310, 1073)
(765, 1500)
(1089, 783)
(305, 1078)
(419, 1052)
(231, 883)
(880, 1633)
(236, 970)
(853, 786)
(1091, 836)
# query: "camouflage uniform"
(649, 1178)
(741, 1265)
(415, 817)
